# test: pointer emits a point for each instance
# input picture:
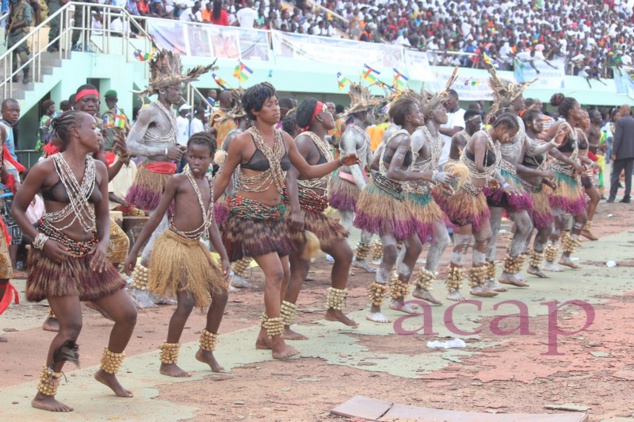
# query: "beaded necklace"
(78, 206)
(274, 174)
(208, 214)
(532, 159)
(488, 171)
(320, 182)
(435, 148)
(153, 135)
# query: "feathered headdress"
(360, 99)
(504, 92)
(166, 69)
(430, 101)
(235, 110)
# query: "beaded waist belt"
(508, 167)
(530, 188)
(562, 168)
(309, 200)
(417, 188)
(390, 187)
(77, 248)
(254, 210)
(471, 189)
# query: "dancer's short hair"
(400, 110)
(63, 124)
(255, 97)
(205, 139)
(508, 120)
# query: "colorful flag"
(489, 61)
(369, 74)
(342, 81)
(399, 79)
(220, 82)
(242, 72)
(119, 121)
(144, 57)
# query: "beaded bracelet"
(40, 240)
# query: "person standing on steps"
(54, 6)
(622, 154)
(20, 18)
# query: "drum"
(132, 226)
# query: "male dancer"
(473, 123)
(348, 182)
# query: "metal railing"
(28, 157)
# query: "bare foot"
(282, 350)
(51, 324)
(425, 295)
(536, 271)
(173, 370)
(588, 235)
(99, 309)
(207, 357)
(495, 286)
(292, 335)
(552, 267)
(566, 261)
(239, 282)
(49, 404)
(364, 266)
(482, 292)
(513, 280)
(408, 308)
(3, 339)
(456, 296)
(335, 315)
(110, 380)
(263, 342)
(377, 317)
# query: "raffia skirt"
(73, 277)
(426, 214)
(327, 230)
(180, 264)
(382, 210)
(148, 187)
(541, 214)
(496, 197)
(220, 210)
(253, 229)
(569, 195)
(467, 206)
(343, 195)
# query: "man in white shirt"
(455, 123)
(247, 15)
(192, 14)
(182, 124)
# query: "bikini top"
(489, 157)
(571, 140)
(57, 193)
(258, 162)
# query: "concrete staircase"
(49, 61)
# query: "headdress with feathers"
(430, 101)
(236, 111)
(504, 92)
(166, 70)
(360, 99)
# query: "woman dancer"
(586, 179)
(383, 210)
(308, 201)
(255, 225)
(568, 197)
(467, 208)
(68, 261)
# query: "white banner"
(552, 74)
(417, 65)
(469, 88)
(336, 51)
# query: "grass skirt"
(380, 212)
(343, 195)
(568, 196)
(181, 264)
(541, 214)
(426, 214)
(6, 268)
(327, 230)
(464, 207)
(254, 229)
(496, 197)
(147, 189)
(74, 277)
(119, 244)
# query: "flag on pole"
(242, 72)
(489, 61)
(220, 82)
(369, 74)
(119, 121)
(144, 57)
(342, 81)
(399, 79)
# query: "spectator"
(212, 98)
(20, 18)
(455, 123)
(622, 154)
(192, 14)
(48, 111)
(219, 15)
(247, 15)
(182, 124)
